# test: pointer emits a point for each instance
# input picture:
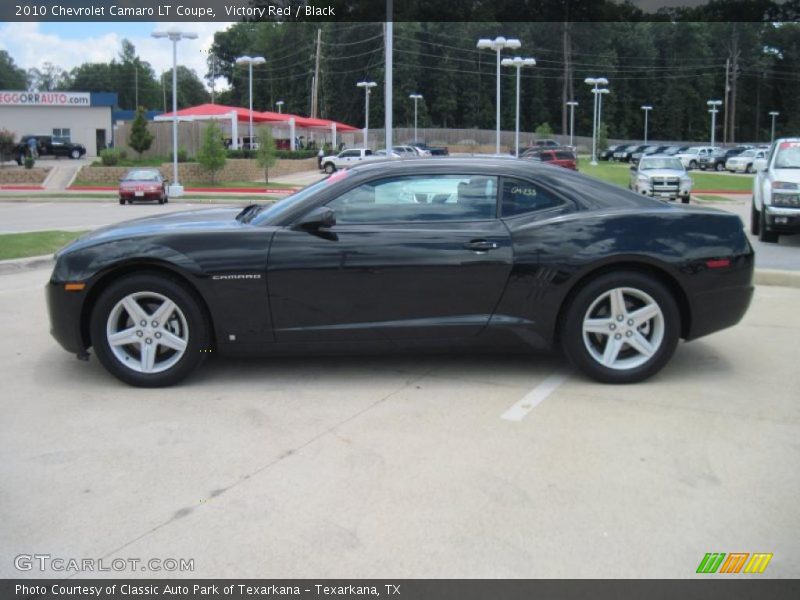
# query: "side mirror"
(633, 167)
(319, 218)
(760, 164)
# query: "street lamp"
(497, 44)
(518, 63)
(646, 110)
(572, 104)
(175, 36)
(713, 110)
(600, 93)
(250, 61)
(415, 98)
(773, 114)
(279, 104)
(596, 82)
(367, 85)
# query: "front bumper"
(782, 219)
(133, 195)
(64, 309)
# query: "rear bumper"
(130, 195)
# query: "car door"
(411, 257)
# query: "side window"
(418, 198)
(367, 152)
(348, 154)
(520, 197)
(61, 135)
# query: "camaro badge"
(238, 276)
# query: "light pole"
(497, 44)
(773, 114)
(415, 98)
(518, 63)
(175, 36)
(572, 104)
(713, 110)
(279, 104)
(646, 108)
(250, 61)
(600, 93)
(367, 85)
(596, 82)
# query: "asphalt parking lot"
(403, 466)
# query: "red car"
(555, 156)
(143, 184)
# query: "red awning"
(243, 115)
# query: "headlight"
(784, 185)
(643, 179)
(686, 181)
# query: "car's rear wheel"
(621, 327)
(148, 330)
(754, 219)
(329, 168)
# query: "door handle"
(480, 245)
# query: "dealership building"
(78, 117)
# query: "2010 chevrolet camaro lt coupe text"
(405, 255)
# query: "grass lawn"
(19, 245)
(202, 184)
(619, 174)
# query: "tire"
(162, 200)
(122, 201)
(720, 167)
(329, 168)
(185, 328)
(755, 218)
(75, 154)
(658, 333)
(764, 234)
(685, 199)
(693, 164)
(748, 169)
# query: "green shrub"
(240, 153)
(29, 162)
(296, 154)
(183, 155)
(110, 157)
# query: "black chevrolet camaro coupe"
(407, 255)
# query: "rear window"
(565, 156)
(520, 197)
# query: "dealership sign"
(18, 98)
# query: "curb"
(29, 263)
(761, 276)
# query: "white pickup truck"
(346, 158)
(691, 157)
(776, 191)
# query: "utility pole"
(734, 53)
(567, 93)
(136, 85)
(727, 100)
(315, 84)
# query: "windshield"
(788, 156)
(142, 175)
(660, 163)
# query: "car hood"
(173, 223)
(790, 175)
(662, 173)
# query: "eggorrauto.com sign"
(22, 98)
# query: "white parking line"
(535, 397)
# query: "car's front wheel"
(329, 168)
(685, 199)
(693, 164)
(621, 327)
(720, 167)
(148, 330)
(764, 234)
(748, 169)
(75, 154)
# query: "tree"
(266, 155)
(544, 131)
(50, 77)
(140, 137)
(6, 145)
(11, 76)
(211, 155)
(191, 90)
(602, 137)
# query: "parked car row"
(736, 159)
(352, 156)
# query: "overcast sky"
(71, 44)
